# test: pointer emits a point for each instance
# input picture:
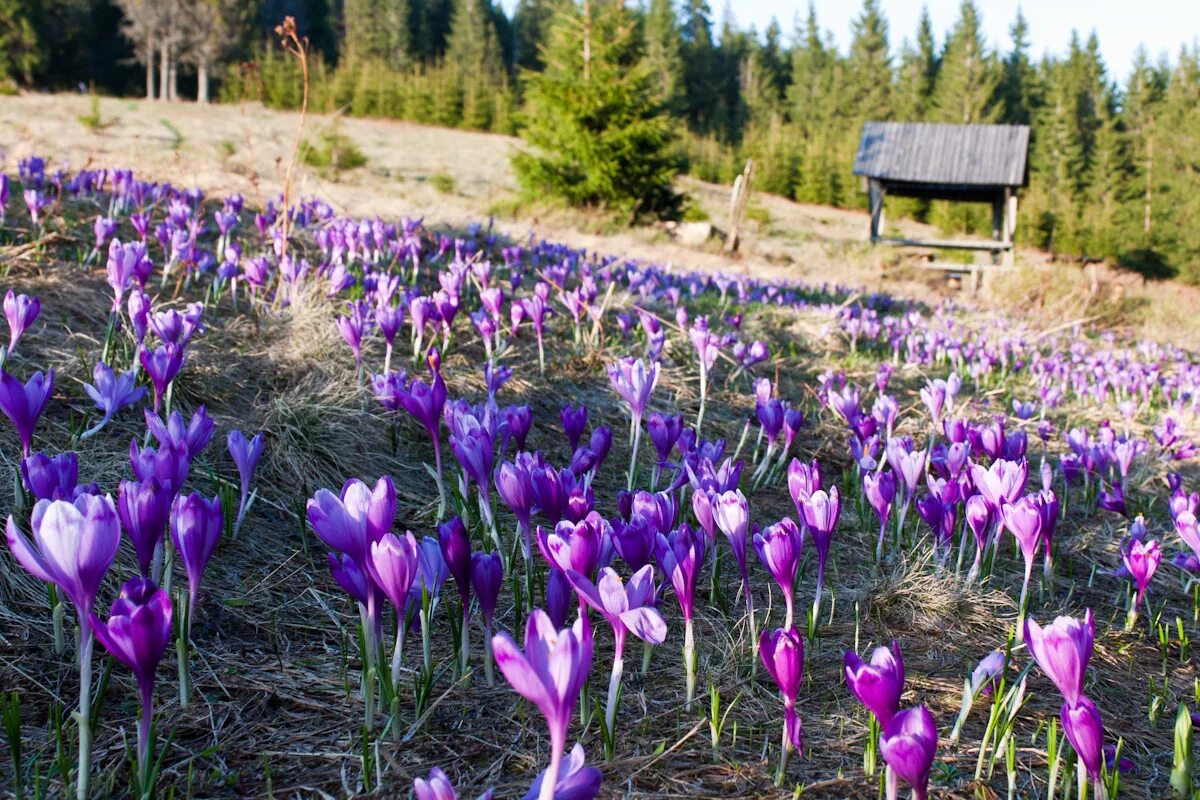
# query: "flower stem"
(83, 717)
(689, 662)
(614, 688)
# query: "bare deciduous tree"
(209, 29)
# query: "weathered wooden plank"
(947, 244)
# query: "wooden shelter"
(938, 161)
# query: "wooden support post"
(998, 206)
(1010, 224)
(875, 194)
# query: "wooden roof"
(943, 154)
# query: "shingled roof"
(943, 154)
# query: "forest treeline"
(1114, 163)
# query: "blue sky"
(1121, 25)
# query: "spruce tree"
(474, 58)
(699, 64)
(661, 37)
(1018, 89)
(917, 73)
(596, 135)
(968, 78)
(19, 53)
(530, 20)
(868, 88)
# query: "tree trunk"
(173, 89)
(164, 70)
(202, 81)
(149, 67)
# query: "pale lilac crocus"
(634, 380)
(392, 565)
(550, 674)
(731, 513)
(628, 608)
(74, 543)
(1024, 521)
(438, 787)
(821, 512)
(1062, 650)
(111, 392)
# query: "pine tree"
(474, 59)
(1018, 89)
(661, 37)
(868, 88)
(699, 64)
(917, 73)
(597, 136)
(19, 53)
(530, 20)
(968, 77)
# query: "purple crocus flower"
(778, 547)
(1141, 558)
(574, 421)
(680, 556)
(144, 508)
(137, 634)
(245, 455)
(1085, 731)
(908, 744)
(628, 608)
(169, 464)
(549, 674)
(24, 403)
(425, 402)
(1002, 482)
(576, 780)
(878, 684)
(664, 433)
(111, 393)
(1024, 519)
(21, 311)
(196, 525)
(74, 543)
(782, 652)
(125, 262)
(634, 540)
(1062, 650)
(162, 364)
(349, 523)
(51, 477)
(880, 490)
(392, 566)
(987, 673)
(731, 513)
(515, 422)
(821, 512)
(455, 545)
(438, 787)
(487, 576)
